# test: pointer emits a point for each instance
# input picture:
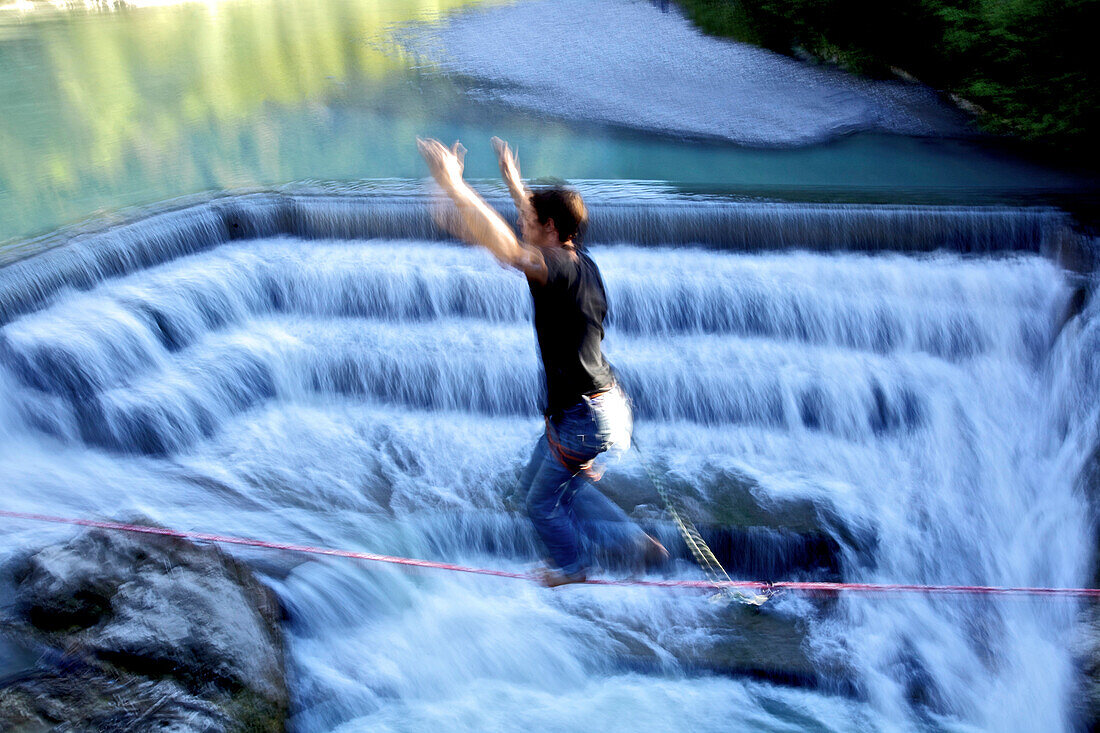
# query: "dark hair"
(565, 207)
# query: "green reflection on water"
(104, 110)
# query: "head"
(561, 217)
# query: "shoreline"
(753, 97)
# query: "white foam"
(348, 394)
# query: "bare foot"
(650, 554)
(554, 578)
(654, 553)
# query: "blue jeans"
(561, 501)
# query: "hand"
(444, 163)
(509, 163)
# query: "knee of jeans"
(537, 505)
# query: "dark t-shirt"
(569, 313)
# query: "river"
(873, 392)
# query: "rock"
(150, 619)
(192, 625)
(754, 534)
(767, 643)
(1086, 642)
(92, 701)
(1087, 651)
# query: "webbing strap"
(745, 585)
(702, 553)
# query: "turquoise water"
(110, 109)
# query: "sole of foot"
(555, 578)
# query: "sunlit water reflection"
(103, 110)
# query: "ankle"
(554, 578)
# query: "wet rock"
(1087, 652)
(88, 700)
(753, 533)
(167, 635)
(767, 643)
(1086, 643)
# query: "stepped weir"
(868, 393)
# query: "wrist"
(448, 183)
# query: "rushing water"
(880, 393)
(324, 369)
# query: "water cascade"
(886, 394)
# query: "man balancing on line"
(586, 411)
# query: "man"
(586, 411)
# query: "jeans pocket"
(602, 429)
(578, 431)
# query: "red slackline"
(753, 585)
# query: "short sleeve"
(561, 268)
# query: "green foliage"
(723, 18)
(1023, 62)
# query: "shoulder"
(583, 260)
(562, 265)
(592, 270)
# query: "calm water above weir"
(864, 392)
(103, 110)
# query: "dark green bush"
(1023, 62)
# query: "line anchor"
(702, 552)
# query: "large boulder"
(753, 532)
(1086, 641)
(1087, 652)
(153, 629)
(766, 643)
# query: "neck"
(555, 244)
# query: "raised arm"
(483, 224)
(509, 171)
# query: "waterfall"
(881, 394)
